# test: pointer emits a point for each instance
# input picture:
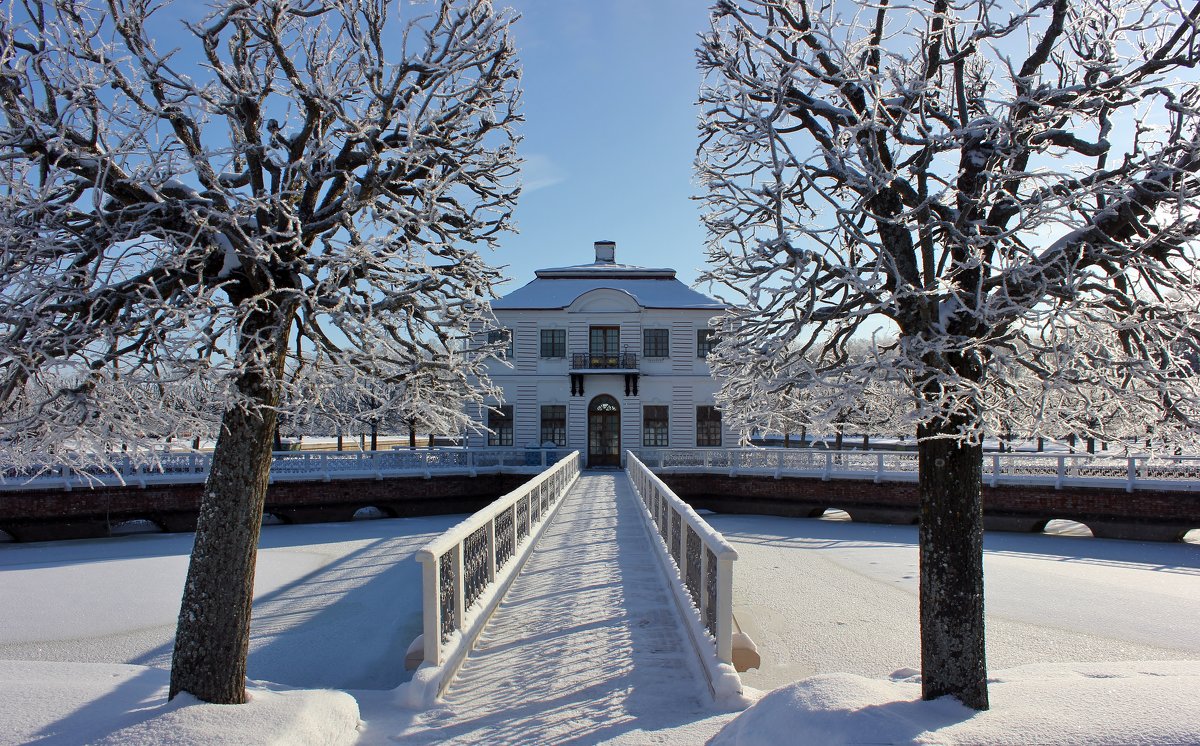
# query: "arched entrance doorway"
(604, 432)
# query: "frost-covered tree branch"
(1004, 192)
(302, 160)
(304, 180)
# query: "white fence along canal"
(1057, 469)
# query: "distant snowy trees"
(200, 201)
(1002, 193)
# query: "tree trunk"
(213, 635)
(374, 436)
(952, 623)
(412, 434)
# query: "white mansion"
(605, 357)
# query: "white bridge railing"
(466, 570)
(704, 561)
(185, 468)
(1057, 469)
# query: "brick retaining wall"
(41, 515)
(1148, 515)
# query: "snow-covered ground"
(86, 627)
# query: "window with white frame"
(554, 343)
(655, 426)
(708, 427)
(500, 422)
(554, 424)
(502, 336)
(656, 342)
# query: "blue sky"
(610, 134)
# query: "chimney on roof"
(606, 252)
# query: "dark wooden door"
(604, 432)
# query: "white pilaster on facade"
(525, 347)
(683, 416)
(577, 425)
(526, 416)
(631, 423)
(683, 346)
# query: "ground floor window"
(554, 424)
(655, 425)
(708, 427)
(500, 422)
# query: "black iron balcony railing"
(613, 361)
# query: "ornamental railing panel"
(505, 540)
(603, 361)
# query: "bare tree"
(957, 176)
(282, 178)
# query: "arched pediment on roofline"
(604, 300)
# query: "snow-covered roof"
(558, 287)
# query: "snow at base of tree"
(106, 703)
(1117, 703)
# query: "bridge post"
(725, 610)
(432, 610)
(491, 550)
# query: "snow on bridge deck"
(587, 645)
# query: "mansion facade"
(605, 357)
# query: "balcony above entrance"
(623, 362)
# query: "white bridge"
(563, 589)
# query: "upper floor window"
(708, 427)
(554, 343)
(706, 340)
(502, 336)
(655, 426)
(554, 424)
(604, 340)
(500, 422)
(656, 342)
